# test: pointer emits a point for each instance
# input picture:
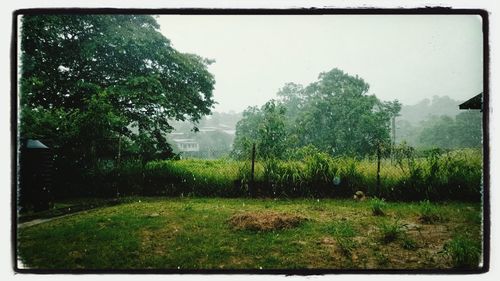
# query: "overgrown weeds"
(464, 252)
(378, 206)
(343, 232)
(435, 176)
(408, 243)
(390, 232)
(428, 213)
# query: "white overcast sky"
(404, 57)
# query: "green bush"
(438, 175)
(390, 232)
(408, 243)
(428, 213)
(464, 252)
(193, 177)
(378, 206)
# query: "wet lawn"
(199, 233)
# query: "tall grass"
(193, 177)
(378, 207)
(453, 175)
(464, 252)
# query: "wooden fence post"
(118, 164)
(252, 184)
(378, 170)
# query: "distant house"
(221, 128)
(209, 142)
(187, 145)
(473, 103)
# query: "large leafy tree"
(338, 116)
(247, 132)
(334, 114)
(266, 128)
(109, 73)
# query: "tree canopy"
(266, 127)
(335, 114)
(109, 74)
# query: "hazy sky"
(405, 57)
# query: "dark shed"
(35, 167)
(473, 103)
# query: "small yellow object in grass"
(359, 196)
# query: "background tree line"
(336, 115)
(439, 123)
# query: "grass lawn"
(187, 233)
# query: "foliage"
(342, 229)
(408, 243)
(378, 206)
(439, 123)
(448, 176)
(94, 87)
(271, 132)
(247, 133)
(464, 252)
(390, 232)
(465, 130)
(192, 178)
(265, 127)
(431, 174)
(339, 118)
(66, 59)
(428, 212)
(334, 114)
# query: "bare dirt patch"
(265, 221)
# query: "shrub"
(289, 180)
(318, 173)
(351, 178)
(408, 243)
(378, 206)
(390, 232)
(194, 177)
(464, 252)
(428, 213)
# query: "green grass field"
(191, 233)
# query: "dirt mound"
(264, 221)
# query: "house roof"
(473, 103)
(185, 140)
